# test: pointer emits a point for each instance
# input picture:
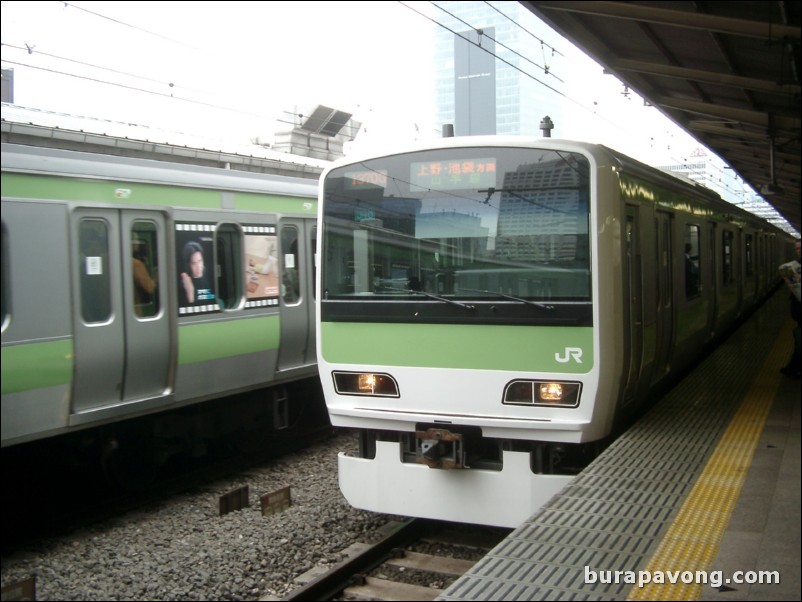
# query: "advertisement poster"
(261, 266)
(195, 254)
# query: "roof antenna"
(546, 125)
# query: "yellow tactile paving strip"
(692, 541)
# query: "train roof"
(59, 162)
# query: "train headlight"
(365, 383)
(550, 391)
(542, 393)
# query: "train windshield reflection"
(459, 226)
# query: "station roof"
(725, 72)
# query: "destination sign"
(458, 174)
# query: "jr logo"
(574, 353)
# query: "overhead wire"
(524, 29)
(174, 88)
(82, 63)
(133, 88)
(172, 94)
(479, 45)
(124, 24)
(482, 32)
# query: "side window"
(748, 252)
(313, 255)
(93, 242)
(727, 275)
(145, 268)
(290, 277)
(228, 265)
(691, 248)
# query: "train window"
(93, 241)
(228, 265)
(290, 280)
(727, 275)
(262, 266)
(145, 268)
(194, 254)
(692, 280)
(748, 258)
(313, 250)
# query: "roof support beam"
(720, 130)
(736, 115)
(710, 77)
(678, 18)
(759, 158)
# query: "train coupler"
(440, 448)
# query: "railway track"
(416, 560)
(83, 497)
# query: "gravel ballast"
(182, 549)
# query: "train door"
(634, 284)
(297, 307)
(122, 322)
(664, 297)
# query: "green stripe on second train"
(279, 204)
(229, 338)
(108, 191)
(465, 346)
(33, 366)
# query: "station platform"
(699, 500)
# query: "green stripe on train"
(215, 340)
(470, 347)
(36, 366)
(106, 191)
(109, 191)
(268, 202)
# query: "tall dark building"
(477, 85)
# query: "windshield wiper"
(506, 296)
(431, 296)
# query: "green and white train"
(492, 308)
(88, 341)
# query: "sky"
(241, 70)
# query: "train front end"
(457, 326)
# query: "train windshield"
(458, 228)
